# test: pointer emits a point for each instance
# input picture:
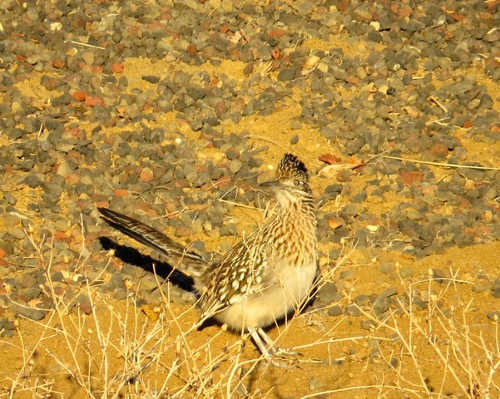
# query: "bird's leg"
(272, 347)
(254, 333)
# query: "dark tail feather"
(155, 239)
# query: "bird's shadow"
(163, 269)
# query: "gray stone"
(30, 313)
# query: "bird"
(265, 276)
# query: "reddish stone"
(335, 222)
(470, 230)
(491, 4)
(92, 101)
(235, 53)
(2, 253)
(191, 49)
(463, 202)
(72, 179)
(405, 12)
(102, 204)
(439, 149)
(276, 32)
(220, 107)
(343, 4)
(74, 132)
(60, 235)
(412, 177)
(117, 67)
(146, 175)
(468, 124)
(121, 192)
(352, 80)
(58, 63)
(224, 28)
(79, 95)
(50, 83)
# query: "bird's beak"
(270, 186)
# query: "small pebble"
(352, 310)
(386, 268)
(30, 313)
(367, 324)
(85, 304)
(327, 294)
(334, 311)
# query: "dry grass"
(121, 349)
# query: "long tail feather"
(154, 239)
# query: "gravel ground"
(124, 104)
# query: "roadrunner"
(264, 276)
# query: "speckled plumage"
(265, 275)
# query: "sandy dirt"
(410, 351)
